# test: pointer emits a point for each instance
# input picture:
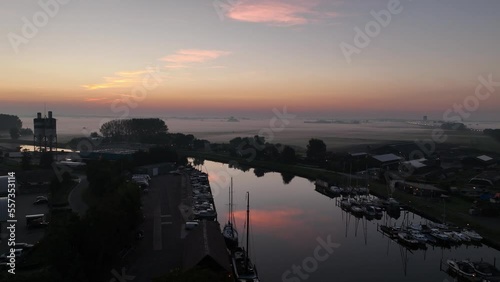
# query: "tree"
(14, 133)
(9, 121)
(25, 131)
(287, 177)
(316, 150)
(288, 155)
(134, 129)
(94, 135)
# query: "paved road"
(161, 248)
(75, 197)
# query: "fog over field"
(297, 133)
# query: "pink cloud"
(276, 12)
(193, 56)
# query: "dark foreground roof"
(204, 246)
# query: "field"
(296, 133)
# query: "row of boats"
(435, 234)
(335, 191)
(473, 270)
(203, 201)
(370, 208)
(204, 209)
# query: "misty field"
(352, 137)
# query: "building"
(386, 161)
(425, 118)
(204, 247)
(481, 162)
(45, 133)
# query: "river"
(291, 223)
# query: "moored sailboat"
(244, 269)
(229, 231)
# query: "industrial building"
(45, 133)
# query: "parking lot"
(161, 248)
(24, 206)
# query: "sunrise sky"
(246, 57)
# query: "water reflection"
(288, 218)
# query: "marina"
(288, 220)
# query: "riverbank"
(433, 209)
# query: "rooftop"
(387, 158)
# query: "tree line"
(14, 126)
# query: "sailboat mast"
(248, 231)
(231, 205)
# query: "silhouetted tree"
(25, 131)
(14, 133)
(9, 121)
(288, 155)
(287, 177)
(316, 150)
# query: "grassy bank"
(456, 208)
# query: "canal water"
(294, 226)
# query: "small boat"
(439, 236)
(464, 238)
(335, 190)
(452, 237)
(484, 269)
(345, 204)
(421, 238)
(369, 211)
(472, 235)
(463, 268)
(356, 211)
(407, 239)
(391, 232)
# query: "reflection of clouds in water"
(287, 224)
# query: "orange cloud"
(276, 12)
(121, 79)
(192, 56)
(180, 60)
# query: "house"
(204, 247)
(482, 161)
(386, 161)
